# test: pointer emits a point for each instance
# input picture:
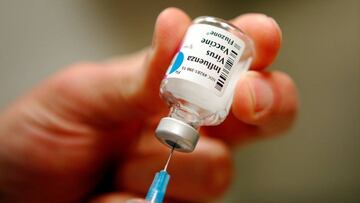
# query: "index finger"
(266, 35)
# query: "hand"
(97, 119)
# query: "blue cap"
(158, 187)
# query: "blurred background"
(316, 161)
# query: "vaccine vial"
(199, 84)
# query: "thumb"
(170, 28)
(104, 94)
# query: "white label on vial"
(208, 57)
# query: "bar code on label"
(225, 71)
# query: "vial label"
(208, 57)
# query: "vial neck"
(187, 115)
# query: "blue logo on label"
(178, 61)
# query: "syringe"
(158, 187)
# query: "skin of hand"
(91, 119)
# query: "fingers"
(266, 99)
(202, 175)
(266, 35)
(264, 104)
(122, 88)
(170, 28)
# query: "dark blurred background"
(317, 161)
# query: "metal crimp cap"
(177, 134)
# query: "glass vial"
(199, 84)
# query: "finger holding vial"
(266, 45)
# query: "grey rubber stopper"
(178, 134)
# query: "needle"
(168, 160)
(158, 187)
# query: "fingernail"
(136, 201)
(261, 94)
